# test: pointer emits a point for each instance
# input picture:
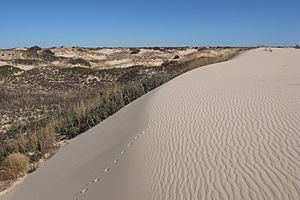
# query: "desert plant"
(34, 48)
(134, 51)
(80, 61)
(47, 54)
(6, 173)
(26, 61)
(176, 57)
(17, 162)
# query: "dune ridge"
(224, 131)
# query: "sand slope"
(224, 131)
(229, 131)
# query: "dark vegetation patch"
(48, 55)
(7, 71)
(34, 49)
(80, 61)
(26, 62)
(134, 51)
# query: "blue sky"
(148, 23)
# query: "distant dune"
(225, 131)
(102, 58)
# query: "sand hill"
(224, 131)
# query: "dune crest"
(225, 131)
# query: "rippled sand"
(225, 131)
(229, 131)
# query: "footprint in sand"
(84, 190)
(96, 180)
(106, 170)
(122, 152)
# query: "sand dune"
(229, 131)
(225, 131)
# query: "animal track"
(122, 152)
(106, 170)
(97, 179)
(84, 190)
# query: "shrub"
(134, 51)
(47, 54)
(17, 162)
(26, 62)
(34, 48)
(7, 70)
(6, 174)
(32, 51)
(80, 61)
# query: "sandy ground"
(225, 131)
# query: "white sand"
(224, 131)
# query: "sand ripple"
(228, 131)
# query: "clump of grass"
(18, 163)
(6, 174)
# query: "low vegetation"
(56, 104)
(18, 163)
(80, 62)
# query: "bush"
(134, 51)
(7, 70)
(17, 162)
(48, 55)
(6, 174)
(26, 62)
(32, 51)
(80, 61)
(34, 48)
